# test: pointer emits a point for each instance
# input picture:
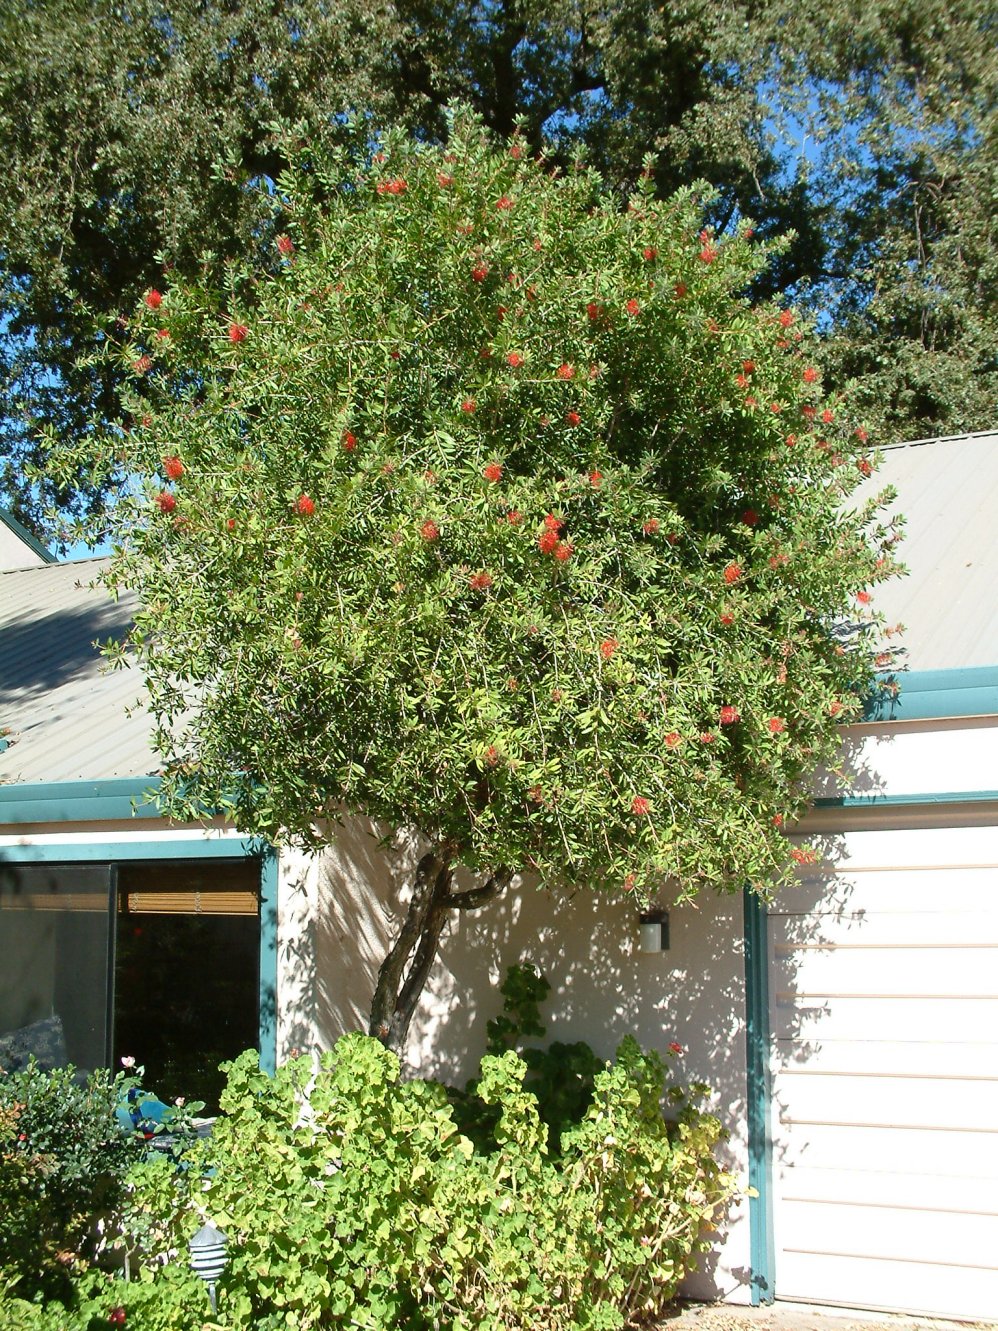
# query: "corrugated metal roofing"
(70, 718)
(948, 494)
(67, 715)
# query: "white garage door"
(884, 997)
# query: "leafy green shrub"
(63, 1158)
(350, 1198)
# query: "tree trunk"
(405, 970)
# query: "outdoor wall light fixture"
(653, 933)
(208, 1258)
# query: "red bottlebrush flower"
(493, 472)
(708, 254)
(679, 290)
(305, 505)
(673, 739)
(707, 737)
(632, 307)
(572, 418)
(828, 416)
(504, 204)
(230, 523)
(594, 311)
(516, 152)
(557, 695)
(741, 380)
(565, 371)
(444, 180)
(750, 517)
(750, 402)
(153, 298)
(166, 502)
(864, 466)
(732, 573)
(834, 708)
(786, 318)
(514, 517)
(675, 1047)
(883, 659)
(650, 526)
(492, 755)
(649, 253)
(285, 247)
(748, 367)
(863, 598)
(778, 561)
(547, 541)
(791, 440)
(480, 272)
(514, 359)
(563, 551)
(349, 440)
(468, 405)
(173, 468)
(396, 186)
(810, 375)
(538, 244)
(808, 413)
(728, 715)
(163, 334)
(501, 313)
(143, 364)
(777, 725)
(552, 523)
(607, 648)
(639, 806)
(776, 407)
(777, 819)
(804, 855)
(429, 531)
(727, 618)
(480, 582)
(237, 332)
(861, 435)
(596, 479)
(629, 883)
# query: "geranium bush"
(499, 513)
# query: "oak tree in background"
(133, 137)
(495, 512)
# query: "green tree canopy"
(499, 513)
(150, 134)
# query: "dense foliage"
(870, 129)
(497, 513)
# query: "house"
(848, 1029)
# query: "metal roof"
(68, 716)
(948, 493)
(71, 719)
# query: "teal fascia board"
(189, 848)
(931, 695)
(759, 1100)
(874, 800)
(80, 801)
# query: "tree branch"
(476, 897)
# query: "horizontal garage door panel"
(924, 1018)
(923, 1191)
(961, 1059)
(883, 973)
(911, 1287)
(881, 1101)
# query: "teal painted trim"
(174, 848)
(887, 801)
(268, 960)
(930, 695)
(29, 538)
(759, 1101)
(79, 801)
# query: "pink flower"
(777, 725)
(729, 715)
(173, 468)
(480, 582)
(305, 505)
(127, 1061)
(607, 648)
(732, 573)
(493, 472)
(154, 299)
(639, 806)
(166, 501)
(565, 371)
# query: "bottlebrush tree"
(498, 513)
